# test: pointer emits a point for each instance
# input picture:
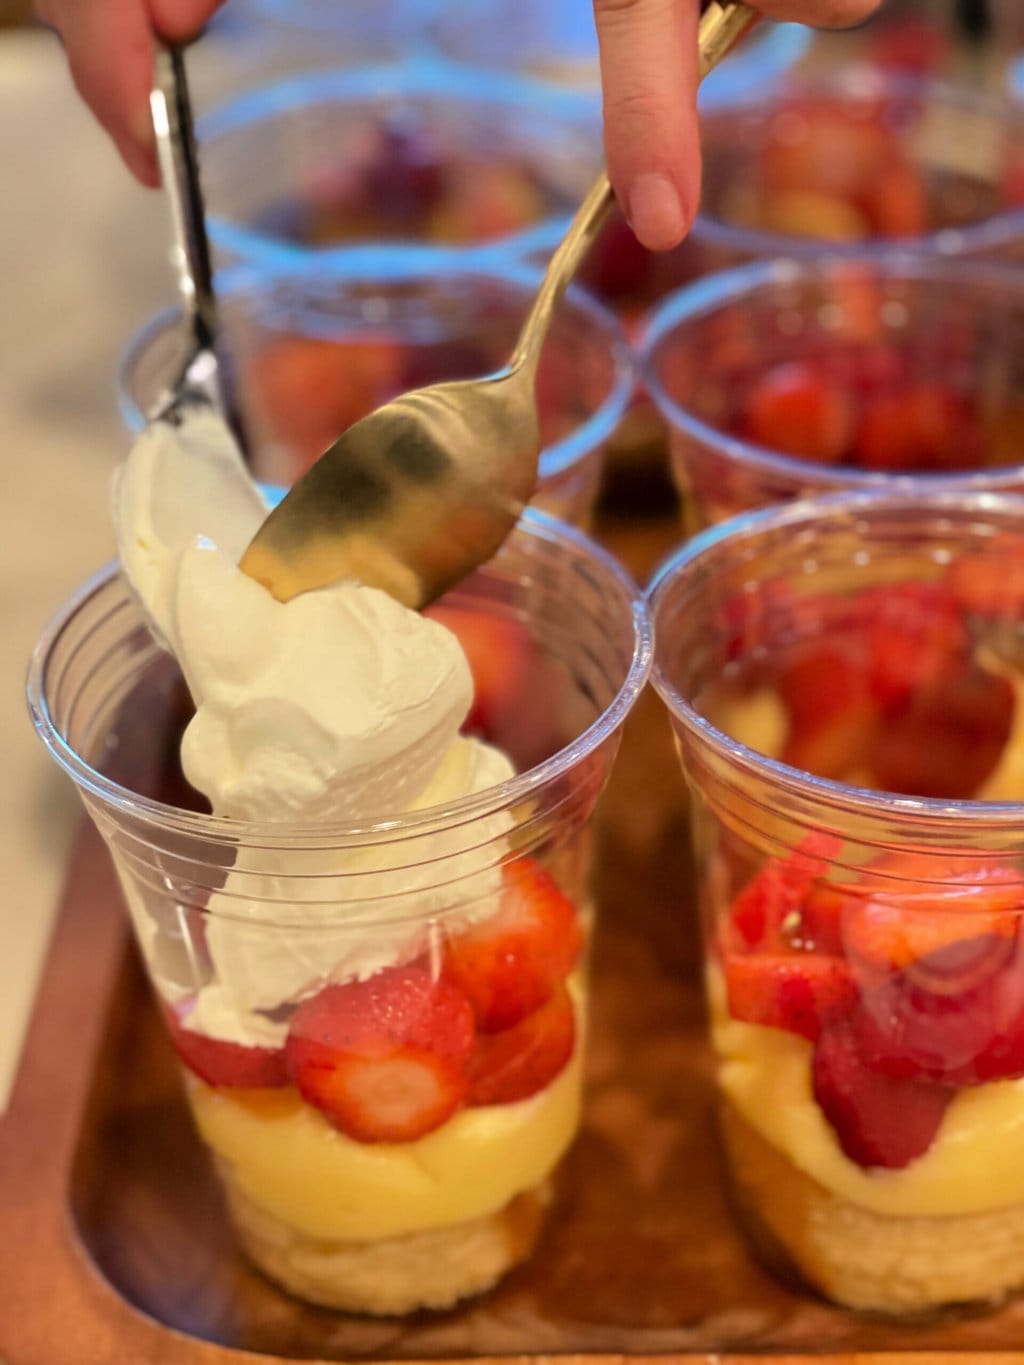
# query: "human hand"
(109, 46)
(649, 77)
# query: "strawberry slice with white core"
(384, 1059)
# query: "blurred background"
(338, 137)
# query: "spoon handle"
(722, 25)
(171, 113)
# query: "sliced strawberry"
(817, 145)
(991, 583)
(895, 203)
(929, 903)
(798, 992)
(947, 737)
(915, 635)
(833, 717)
(308, 390)
(920, 427)
(501, 654)
(384, 1059)
(521, 1060)
(766, 914)
(823, 917)
(219, 1062)
(616, 265)
(914, 46)
(956, 1018)
(879, 1121)
(512, 962)
(794, 408)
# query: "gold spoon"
(416, 495)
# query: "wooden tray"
(114, 1249)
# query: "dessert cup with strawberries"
(844, 678)
(308, 353)
(380, 1025)
(788, 378)
(454, 157)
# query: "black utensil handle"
(179, 167)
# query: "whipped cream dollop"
(339, 706)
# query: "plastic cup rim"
(825, 793)
(315, 835)
(693, 302)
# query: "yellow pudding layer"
(973, 1166)
(290, 1161)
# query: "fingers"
(179, 20)
(820, 13)
(109, 46)
(109, 51)
(649, 77)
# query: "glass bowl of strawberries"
(414, 153)
(381, 1021)
(845, 679)
(788, 378)
(308, 352)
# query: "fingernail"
(656, 211)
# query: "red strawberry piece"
(219, 1062)
(616, 265)
(917, 428)
(816, 146)
(991, 583)
(501, 654)
(795, 409)
(404, 177)
(895, 203)
(912, 906)
(823, 917)
(879, 1121)
(915, 634)
(524, 1059)
(798, 992)
(307, 391)
(384, 1059)
(769, 913)
(931, 1022)
(509, 964)
(832, 715)
(916, 47)
(947, 737)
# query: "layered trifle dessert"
(863, 902)
(367, 938)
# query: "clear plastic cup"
(280, 952)
(856, 156)
(558, 42)
(356, 31)
(416, 153)
(789, 378)
(864, 951)
(309, 353)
